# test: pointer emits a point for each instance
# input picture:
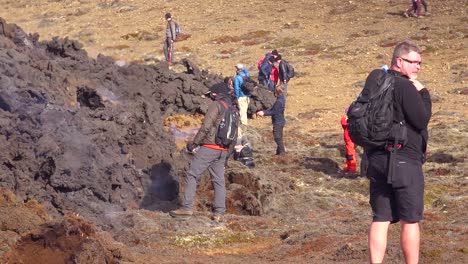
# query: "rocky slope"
(101, 119)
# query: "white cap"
(239, 66)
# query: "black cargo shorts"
(402, 200)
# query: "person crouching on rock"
(277, 118)
(208, 156)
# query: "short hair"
(403, 48)
(227, 80)
(168, 15)
(279, 58)
(274, 52)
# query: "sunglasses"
(412, 62)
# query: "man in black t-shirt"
(402, 200)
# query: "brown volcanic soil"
(310, 211)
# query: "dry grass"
(320, 206)
(226, 39)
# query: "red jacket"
(349, 144)
(274, 76)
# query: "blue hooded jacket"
(238, 83)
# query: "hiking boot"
(181, 213)
(351, 165)
(345, 168)
(218, 218)
(405, 14)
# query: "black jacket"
(277, 111)
(416, 107)
(283, 71)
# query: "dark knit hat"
(168, 15)
(220, 88)
(275, 52)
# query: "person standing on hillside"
(284, 74)
(277, 118)
(350, 151)
(208, 155)
(397, 188)
(243, 99)
(274, 76)
(171, 36)
(415, 9)
(265, 72)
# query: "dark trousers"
(168, 50)
(278, 136)
(268, 83)
(423, 2)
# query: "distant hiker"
(210, 155)
(242, 97)
(350, 151)
(265, 72)
(277, 118)
(171, 35)
(274, 76)
(286, 72)
(397, 185)
(415, 9)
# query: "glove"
(190, 147)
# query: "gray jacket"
(171, 30)
(209, 128)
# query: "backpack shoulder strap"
(223, 103)
(170, 23)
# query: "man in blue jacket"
(242, 98)
(265, 72)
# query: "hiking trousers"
(269, 84)
(278, 136)
(168, 50)
(243, 103)
(285, 89)
(213, 160)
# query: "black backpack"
(374, 119)
(246, 157)
(248, 85)
(227, 128)
(289, 69)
